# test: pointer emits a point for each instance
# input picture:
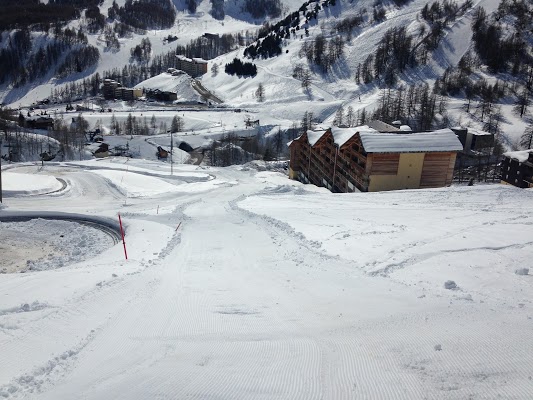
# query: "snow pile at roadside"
(27, 184)
(135, 185)
(143, 167)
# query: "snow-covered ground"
(243, 284)
(40, 244)
(14, 183)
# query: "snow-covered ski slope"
(270, 289)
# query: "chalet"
(99, 150)
(517, 168)
(193, 66)
(361, 158)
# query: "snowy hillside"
(361, 26)
(236, 282)
(326, 92)
(243, 284)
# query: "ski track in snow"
(239, 302)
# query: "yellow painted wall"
(408, 176)
(292, 174)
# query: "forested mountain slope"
(462, 62)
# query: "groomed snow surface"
(241, 284)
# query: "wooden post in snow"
(122, 233)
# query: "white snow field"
(241, 284)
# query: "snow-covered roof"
(441, 140)
(405, 128)
(313, 136)
(166, 82)
(477, 132)
(199, 61)
(342, 135)
(295, 139)
(520, 156)
(381, 126)
(376, 142)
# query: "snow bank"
(25, 184)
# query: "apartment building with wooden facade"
(363, 159)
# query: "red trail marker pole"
(122, 233)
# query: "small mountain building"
(363, 159)
(517, 168)
(474, 140)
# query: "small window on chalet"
(355, 147)
(329, 140)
